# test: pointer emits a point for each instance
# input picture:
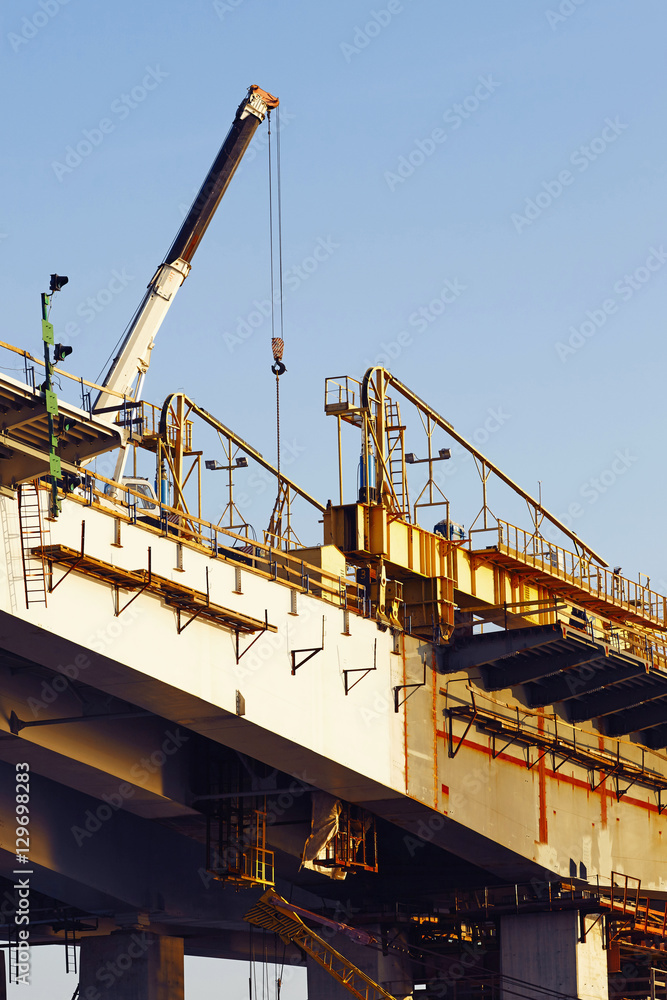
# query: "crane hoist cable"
(277, 341)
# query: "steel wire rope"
(504, 980)
(545, 991)
(116, 347)
(280, 229)
(541, 991)
(273, 302)
(277, 342)
(273, 316)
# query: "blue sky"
(484, 177)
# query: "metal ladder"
(395, 462)
(70, 947)
(32, 537)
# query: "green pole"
(55, 471)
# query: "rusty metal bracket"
(405, 687)
(197, 613)
(451, 752)
(74, 564)
(605, 775)
(118, 611)
(249, 646)
(496, 753)
(564, 760)
(619, 793)
(361, 670)
(537, 761)
(311, 651)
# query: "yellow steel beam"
(273, 913)
(388, 379)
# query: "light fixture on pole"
(443, 455)
(213, 466)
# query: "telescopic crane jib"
(127, 371)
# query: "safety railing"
(618, 638)
(221, 543)
(32, 378)
(536, 894)
(540, 735)
(142, 419)
(341, 392)
(139, 417)
(579, 571)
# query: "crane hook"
(278, 368)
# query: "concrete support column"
(390, 971)
(544, 950)
(131, 965)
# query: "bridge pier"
(545, 950)
(131, 965)
(390, 971)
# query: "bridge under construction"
(417, 758)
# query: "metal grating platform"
(24, 435)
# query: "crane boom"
(274, 913)
(131, 363)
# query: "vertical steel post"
(55, 474)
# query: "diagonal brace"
(311, 651)
(261, 633)
(118, 611)
(76, 562)
(361, 670)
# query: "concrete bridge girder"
(89, 854)
(144, 756)
(493, 812)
